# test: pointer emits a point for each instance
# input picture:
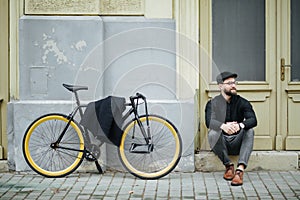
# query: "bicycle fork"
(144, 148)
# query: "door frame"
(4, 75)
(262, 95)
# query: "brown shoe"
(229, 173)
(238, 178)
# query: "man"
(230, 119)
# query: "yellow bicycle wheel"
(155, 160)
(48, 159)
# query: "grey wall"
(112, 56)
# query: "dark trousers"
(240, 144)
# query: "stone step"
(259, 160)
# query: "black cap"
(225, 75)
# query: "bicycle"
(54, 145)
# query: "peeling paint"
(51, 47)
(80, 45)
(45, 36)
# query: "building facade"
(170, 50)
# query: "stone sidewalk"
(115, 185)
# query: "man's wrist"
(222, 126)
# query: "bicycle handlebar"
(138, 96)
(135, 105)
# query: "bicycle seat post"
(78, 103)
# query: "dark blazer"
(218, 111)
(104, 119)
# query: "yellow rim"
(155, 174)
(28, 155)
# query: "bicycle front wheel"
(150, 161)
(53, 160)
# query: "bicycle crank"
(93, 152)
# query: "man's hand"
(230, 127)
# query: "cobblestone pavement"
(115, 185)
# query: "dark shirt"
(219, 111)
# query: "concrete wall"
(112, 56)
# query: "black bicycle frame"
(134, 109)
(70, 118)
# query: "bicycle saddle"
(74, 88)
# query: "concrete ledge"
(3, 166)
(259, 160)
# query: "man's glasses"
(231, 83)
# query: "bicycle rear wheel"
(147, 161)
(45, 158)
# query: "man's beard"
(230, 92)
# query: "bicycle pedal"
(90, 157)
(141, 148)
(94, 150)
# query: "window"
(295, 40)
(238, 38)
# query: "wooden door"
(288, 66)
